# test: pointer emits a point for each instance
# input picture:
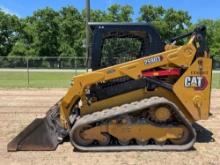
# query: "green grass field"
(10, 79)
(36, 79)
(216, 80)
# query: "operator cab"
(114, 43)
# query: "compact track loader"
(147, 103)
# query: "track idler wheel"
(142, 142)
(160, 114)
(106, 140)
(123, 142)
(161, 143)
(183, 139)
(77, 136)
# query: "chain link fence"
(57, 72)
(43, 62)
(45, 71)
(40, 71)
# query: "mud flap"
(40, 135)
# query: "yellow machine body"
(195, 100)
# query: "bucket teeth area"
(37, 136)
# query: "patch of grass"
(36, 79)
(9, 79)
(216, 80)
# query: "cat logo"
(196, 82)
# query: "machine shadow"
(203, 134)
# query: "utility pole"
(87, 32)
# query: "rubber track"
(130, 108)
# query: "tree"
(97, 16)
(150, 13)
(39, 37)
(170, 22)
(9, 32)
(126, 13)
(115, 13)
(118, 13)
(45, 31)
(24, 46)
(60, 33)
(178, 22)
(39, 34)
(71, 32)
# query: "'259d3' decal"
(196, 82)
(152, 60)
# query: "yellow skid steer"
(146, 102)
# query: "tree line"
(61, 33)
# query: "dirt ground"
(19, 107)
